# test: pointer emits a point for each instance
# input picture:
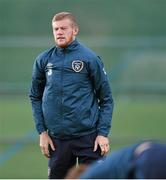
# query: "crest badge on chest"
(77, 65)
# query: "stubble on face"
(64, 32)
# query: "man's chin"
(61, 45)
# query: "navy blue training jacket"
(150, 163)
(70, 93)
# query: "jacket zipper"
(62, 76)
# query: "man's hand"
(103, 143)
(45, 141)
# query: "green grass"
(16, 66)
(133, 119)
(15, 113)
(139, 119)
(29, 163)
(95, 17)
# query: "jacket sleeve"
(117, 165)
(104, 96)
(36, 94)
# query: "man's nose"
(59, 32)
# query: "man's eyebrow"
(60, 27)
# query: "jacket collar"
(72, 46)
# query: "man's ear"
(75, 30)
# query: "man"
(71, 100)
(145, 160)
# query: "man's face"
(64, 32)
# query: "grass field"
(130, 38)
(133, 120)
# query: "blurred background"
(129, 36)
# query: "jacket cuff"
(41, 130)
(102, 134)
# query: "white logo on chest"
(49, 67)
(77, 65)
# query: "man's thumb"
(52, 146)
(95, 146)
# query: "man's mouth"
(60, 38)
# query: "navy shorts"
(67, 151)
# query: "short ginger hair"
(76, 171)
(65, 15)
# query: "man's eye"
(64, 28)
